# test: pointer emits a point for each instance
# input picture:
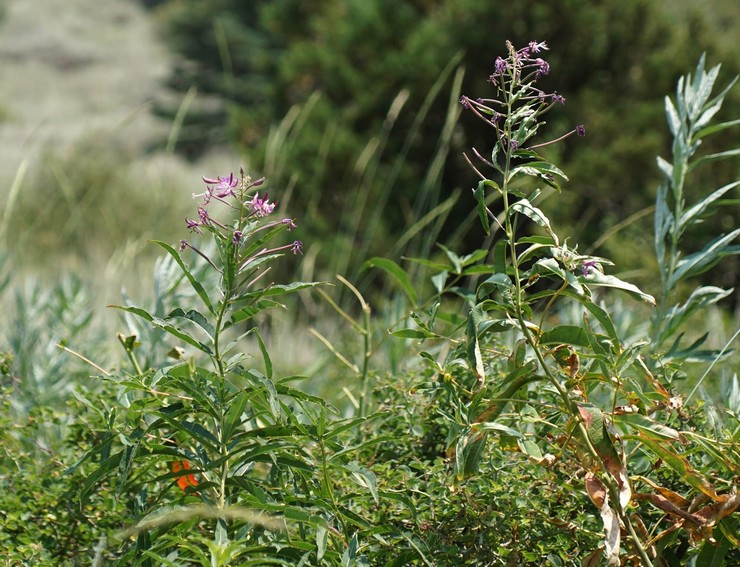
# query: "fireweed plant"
(569, 394)
(225, 463)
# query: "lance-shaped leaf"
(480, 200)
(699, 262)
(598, 279)
(601, 315)
(473, 345)
(696, 211)
(199, 289)
(396, 272)
(665, 451)
(196, 318)
(165, 326)
(648, 426)
(527, 209)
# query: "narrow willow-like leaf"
(282, 289)
(714, 128)
(526, 208)
(674, 122)
(480, 199)
(396, 272)
(698, 262)
(694, 212)
(601, 315)
(199, 289)
(648, 426)
(171, 329)
(599, 279)
(679, 464)
(475, 316)
(265, 355)
(196, 318)
(566, 334)
(414, 334)
(366, 478)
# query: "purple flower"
(203, 216)
(536, 47)
(297, 247)
(557, 98)
(183, 245)
(543, 68)
(587, 266)
(224, 185)
(237, 237)
(581, 130)
(260, 206)
(290, 223)
(499, 66)
(193, 226)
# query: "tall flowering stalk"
(222, 440)
(577, 368)
(553, 356)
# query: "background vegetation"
(374, 82)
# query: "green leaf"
(196, 318)
(246, 313)
(598, 279)
(601, 315)
(551, 266)
(676, 316)
(719, 156)
(106, 466)
(664, 450)
(480, 199)
(714, 128)
(233, 418)
(365, 478)
(455, 260)
(529, 448)
(698, 262)
(493, 426)
(396, 272)
(265, 355)
(475, 315)
(497, 282)
(199, 289)
(546, 168)
(171, 329)
(414, 334)
(648, 426)
(566, 334)
(468, 455)
(283, 289)
(322, 536)
(526, 208)
(697, 210)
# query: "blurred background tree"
(349, 61)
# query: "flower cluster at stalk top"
(236, 193)
(519, 103)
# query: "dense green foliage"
(375, 81)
